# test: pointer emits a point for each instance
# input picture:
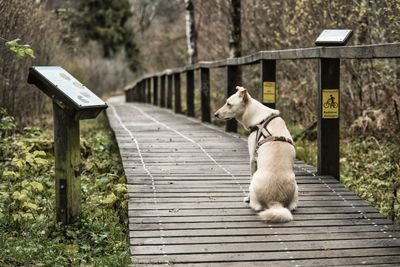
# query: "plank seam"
(152, 180)
(384, 231)
(195, 143)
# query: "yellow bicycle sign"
(330, 103)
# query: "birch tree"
(191, 34)
(235, 49)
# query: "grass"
(29, 234)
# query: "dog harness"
(262, 132)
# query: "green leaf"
(37, 186)
(110, 199)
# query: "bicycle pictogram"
(330, 103)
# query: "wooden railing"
(158, 88)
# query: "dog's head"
(235, 105)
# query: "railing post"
(142, 91)
(135, 93)
(155, 90)
(190, 93)
(162, 91)
(139, 92)
(328, 116)
(205, 94)
(127, 95)
(234, 78)
(169, 91)
(268, 83)
(177, 92)
(148, 90)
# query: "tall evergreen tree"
(105, 21)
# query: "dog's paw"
(257, 207)
(246, 199)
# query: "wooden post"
(139, 92)
(190, 93)
(155, 90)
(127, 97)
(134, 93)
(169, 91)
(144, 90)
(268, 83)
(67, 159)
(205, 94)
(148, 89)
(234, 78)
(328, 116)
(162, 91)
(177, 91)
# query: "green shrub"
(29, 234)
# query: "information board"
(69, 86)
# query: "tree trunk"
(235, 49)
(191, 34)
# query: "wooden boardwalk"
(187, 182)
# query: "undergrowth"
(29, 234)
(368, 167)
(371, 169)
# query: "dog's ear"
(242, 93)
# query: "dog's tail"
(276, 213)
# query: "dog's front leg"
(251, 141)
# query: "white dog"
(273, 189)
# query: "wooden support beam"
(162, 91)
(234, 78)
(169, 91)
(177, 92)
(144, 91)
(328, 116)
(155, 90)
(148, 83)
(268, 83)
(67, 159)
(190, 93)
(205, 94)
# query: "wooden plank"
(262, 231)
(381, 261)
(246, 211)
(263, 246)
(270, 256)
(234, 239)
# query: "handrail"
(374, 51)
(157, 88)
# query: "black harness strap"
(262, 132)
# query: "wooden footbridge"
(188, 178)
